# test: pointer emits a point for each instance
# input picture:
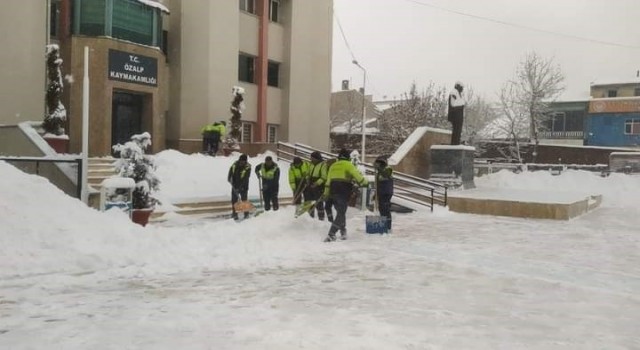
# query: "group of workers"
(328, 184)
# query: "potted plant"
(56, 116)
(135, 164)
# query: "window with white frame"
(274, 10)
(248, 6)
(632, 127)
(247, 132)
(272, 133)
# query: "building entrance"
(126, 116)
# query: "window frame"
(270, 82)
(629, 126)
(274, 11)
(251, 70)
(636, 91)
(248, 6)
(242, 132)
(271, 127)
(612, 93)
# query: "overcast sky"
(400, 41)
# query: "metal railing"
(38, 160)
(562, 134)
(407, 187)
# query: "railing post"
(432, 200)
(37, 167)
(79, 178)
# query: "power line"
(497, 21)
(353, 56)
(344, 37)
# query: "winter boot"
(330, 238)
(343, 234)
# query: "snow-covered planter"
(56, 116)
(135, 164)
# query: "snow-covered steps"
(539, 204)
(100, 169)
(206, 208)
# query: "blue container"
(376, 224)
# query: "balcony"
(562, 135)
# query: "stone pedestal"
(452, 165)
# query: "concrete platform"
(555, 205)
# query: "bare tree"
(538, 82)
(478, 114)
(414, 110)
(513, 123)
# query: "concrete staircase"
(100, 169)
(207, 208)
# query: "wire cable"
(497, 21)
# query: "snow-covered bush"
(56, 113)
(135, 164)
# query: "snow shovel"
(242, 206)
(376, 224)
(305, 207)
(260, 207)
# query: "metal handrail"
(404, 183)
(39, 160)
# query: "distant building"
(566, 123)
(614, 115)
(346, 112)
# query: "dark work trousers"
(328, 208)
(210, 145)
(297, 195)
(234, 199)
(456, 133)
(384, 203)
(270, 197)
(340, 222)
(313, 195)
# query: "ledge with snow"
(555, 205)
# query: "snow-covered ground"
(74, 278)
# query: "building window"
(632, 127)
(612, 93)
(246, 68)
(130, 20)
(272, 133)
(274, 10)
(273, 74)
(636, 92)
(248, 6)
(247, 133)
(134, 21)
(54, 18)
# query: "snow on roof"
(454, 147)
(155, 4)
(410, 142)
(615, 82)
(348, 128)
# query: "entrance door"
(126, 119)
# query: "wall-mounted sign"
(626, 105)
(133, 68)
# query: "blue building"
(613, 122)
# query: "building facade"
(614, 122)
(565, 124)
(168, 67)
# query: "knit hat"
(243, 157)
(381, 161)
(344, 154)
(316, 155)
(297, 160)
(268, 159)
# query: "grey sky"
(398, 41)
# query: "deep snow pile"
(42, 230)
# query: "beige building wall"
(308, 55)
(205, 38)
(24, 27)
(623, 90)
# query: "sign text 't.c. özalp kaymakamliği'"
(133, 68)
